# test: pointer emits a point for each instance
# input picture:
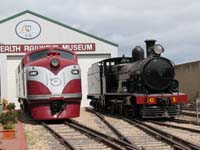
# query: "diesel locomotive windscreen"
(158, 73)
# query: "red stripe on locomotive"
(36, 88)
(74, 86)
(152, 99)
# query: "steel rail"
(188, 114)
(59, 137)
(175, 126)
(189, 109)
(185, 121)
(108, 140)
(111, 127)
(169, 138)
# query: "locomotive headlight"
(33, 73)
(158, 49)
(75, 71)
(55, 63)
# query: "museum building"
(28, 31)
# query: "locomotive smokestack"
(149, 44)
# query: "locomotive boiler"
(49, 84)
(137, 86)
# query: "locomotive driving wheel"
(96, 107)
(120, 108)
(126, 113)
(112, 109)
(23, 105)
(141, 112)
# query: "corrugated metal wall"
(188, 76)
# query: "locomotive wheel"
(141, 112)
(126, 113)
(21, 104)
(24, 105)
(112, 109)
(120, 109)
(94, 104)
(97, 106)
(100, 107)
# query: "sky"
(175, 24)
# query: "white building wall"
(3, 65)
(51, 33)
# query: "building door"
(12, 63)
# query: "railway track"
(193, 109)
(186, 121)
(175, 142)
(74, 135)
(60, 143)
(133, 133)
(190, 111)
(192, 114)
(189, 134)
(111, 127)
(187, 117)
(192, 129)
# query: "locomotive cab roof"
(117, 60)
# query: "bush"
(11, 106)
(9, 117)
(9, 126)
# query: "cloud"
(174, 24)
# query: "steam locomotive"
(49, 84)
(136, 86)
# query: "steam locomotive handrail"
(169, 138)
(110, 141)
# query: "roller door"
(12, 63)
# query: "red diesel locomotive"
(49, 84)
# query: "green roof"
(58, 23)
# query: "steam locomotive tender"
(49, 84)
(136, 86)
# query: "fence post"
(197, 109)
(197, 106)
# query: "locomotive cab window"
(38, 55)
(65, 54)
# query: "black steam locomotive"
(136, 86)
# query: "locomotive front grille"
(56, 106)
(159, 111)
